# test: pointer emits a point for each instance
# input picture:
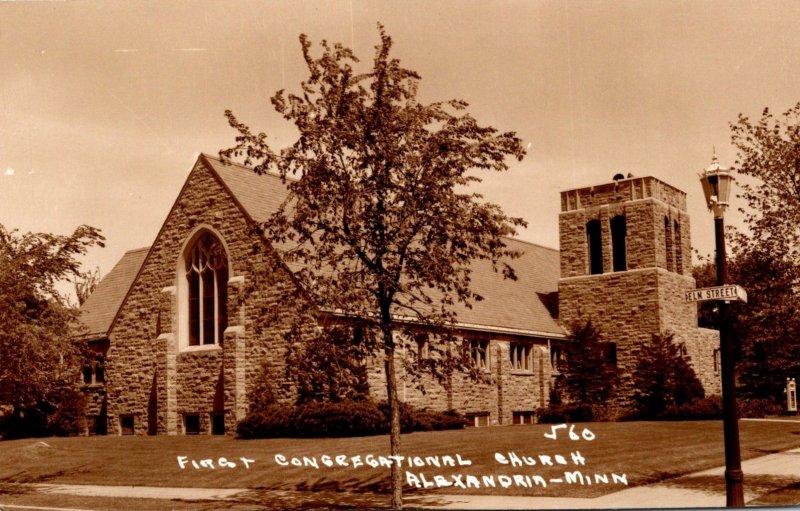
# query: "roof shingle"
(519, 306)
(507, 304)
(98, 311)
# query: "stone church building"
(185, 330)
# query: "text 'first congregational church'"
(186, 329)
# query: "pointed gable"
(522, 306)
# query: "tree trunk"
(394, 412)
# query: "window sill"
(94, 386)
(201, 348)
(521, 372)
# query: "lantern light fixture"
(717, 183)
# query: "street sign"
(727, 293)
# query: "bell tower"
(625, 265)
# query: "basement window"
(217, 423)
(126, 423)
(477, 419)
(191, 424)
(524, 417)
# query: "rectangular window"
(555, 359)
(524, 417)
(99, 371)
(717, 364)
(217, 423)
(422, 346)
(94, 371)
(611, 353)
(520, 354)
(126, 424)
(191, 424)
(479, 351)
(595, 242)
(477, 419)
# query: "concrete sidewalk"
(700, 489)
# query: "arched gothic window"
(207, 280)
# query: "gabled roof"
(98, 311)
(516, 306)
(519, 306)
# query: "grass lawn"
(644, 451)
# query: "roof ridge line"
(531, 243)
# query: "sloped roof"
(98, 311)
(514, 306)
(259, 195)
(507, 305)
(520, 304)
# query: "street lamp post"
(716, 183)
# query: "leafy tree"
(38, 357)
(765, 255)
(663, 377)
(590, 376)
(86, 285)
(766, 328)
(769, 158)
(330, 365)
(380, 221)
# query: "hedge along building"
(187, 329)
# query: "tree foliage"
(38, 357)
(589, 376)
(766, 328)
(765, 255)
(769, 157)
(379, 222)
(86, 285)
(330, 365)
(663, 377)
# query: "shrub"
(663, 377)
(422, 419)
(273, 422)
(755, 408)
(709, 408)
(449, 419)
(60, 414)
(566, 413)
(341, 419)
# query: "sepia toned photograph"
(350, 254)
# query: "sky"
(104, 106)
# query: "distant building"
(184, 329)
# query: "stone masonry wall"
(623, 306)
(644, 202)
(143, 360)
(499, 391)
(629, 307)
(680, 318)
